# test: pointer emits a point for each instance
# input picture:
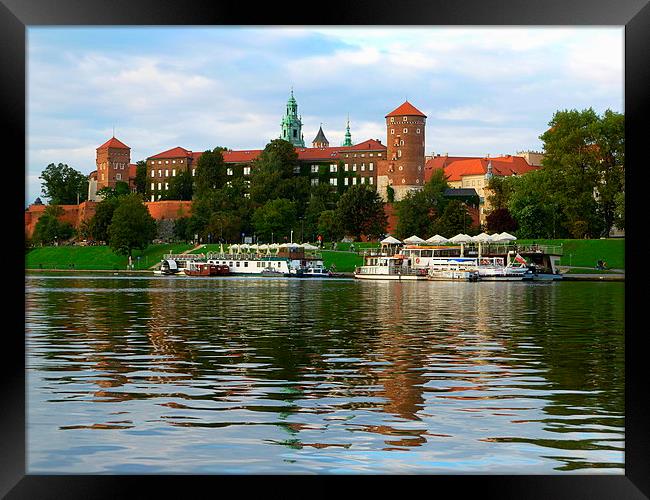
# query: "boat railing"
(184, 256)
(503, 249)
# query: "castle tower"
(348, 135)
(403, 169)
(320, 141)
(113, 158)
(292, 125)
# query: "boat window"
(245, 263)
(426, 253)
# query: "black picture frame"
(17, 15)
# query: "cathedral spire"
(348, 135)
(292, 124)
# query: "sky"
(485, 90)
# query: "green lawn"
(96, 257)
(586, 253)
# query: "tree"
(453, 220)
(132, 226)
(49, 229)
(63, 185)
(418, 211)
(587, 152)
(98, 226)
(210, 172)
(181, 187)
(273, 175)
(361, 212)
(329, 226)
(141, 177)
(121, 188)
(275, 216)
(181, 229)
(498, 192)
(501, 220)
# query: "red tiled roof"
(406, 109)
(369, 145)
(177, 152)
(304, 154)
(501, 166)
(113, 143)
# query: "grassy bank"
(586, 253)
(96, 257)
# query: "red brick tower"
(113, 158)
(403, 169)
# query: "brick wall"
(76, 214)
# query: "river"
(152, 374)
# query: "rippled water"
(273, 375)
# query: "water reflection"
(253, 375)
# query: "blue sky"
(485, 90)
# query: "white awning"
(461, 238)
(437, 239)
(413, 239)
(390, 241)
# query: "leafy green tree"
(210, 172)
(132, 226)
(587, 152)
(141, 177)
(63, 185)
(181, 187)
(361, 212)
(50, 229)
(418, 211)
(99, 223)
(121, 188)
(498, 192)
(182, 229)
(275, 216)
(273, 175)
(329, 226)
(453, 220)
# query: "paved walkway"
(157, 264)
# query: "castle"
(395, 168)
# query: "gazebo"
(390, 245)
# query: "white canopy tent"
(437, 239)
(482, 238)
(390, 241)
(309, 246)
(505, 237)
(411, 240)
(461, 238)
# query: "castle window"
(296, 169)
(159, 162)
(346, 181)
(118, 177)
(378, 154)
(153, 197)
(193, 171)
(371, 167)
(159, 173)
(122, 166)
(392, 119)
(166, 186)
(354, 181)
(392, 131)
(333, 181)
(166, 162)
(354, 167)
(173, 172)
(159, 186)
(229, 171)
(166, 173)
(346, 167)
(173, 161)
(153, 187)
(314, 169)
(247, 170)
(158, 197)
(404, 119)
(153, 173)
(363, 167)
(417, 130)
(399, 153)
(314, 181)
(370, 154)
(406, 131)
(333, 168)
(400, 167)
(362, 180)
(371, 180)
(363, 155)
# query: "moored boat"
(205, 269)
